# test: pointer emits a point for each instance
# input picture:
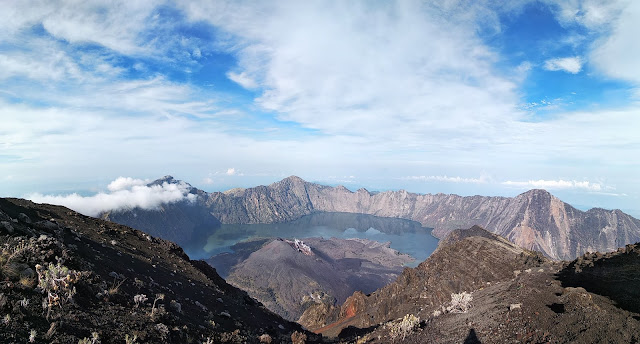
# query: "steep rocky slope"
(66, 277)
(535, 219)
(476, 259)
(590, 300)
(288, 276)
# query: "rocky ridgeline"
(535, 220)
(68, 278)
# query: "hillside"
(477, 259)
(513, 295)
(535, 219)
(289, 276)
(66, 277)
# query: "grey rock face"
(534, 220)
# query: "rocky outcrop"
(535, 220)
(289, 276)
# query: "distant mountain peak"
(294, 179)
(536, 192)
(168, 179)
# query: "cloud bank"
(124, 194)
(556, 184)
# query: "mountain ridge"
(534, 219)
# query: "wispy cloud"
(242, 79)
(124, 194)
(556, 184)
(571, 65)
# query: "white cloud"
(571, 65)
(593, 14)
(115, 25)
(448, 179)
(556, 184)
(231, 171)
(243, 80)
(375, 70)
(618, 54)
(124, 183)
(124, 194)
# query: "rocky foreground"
(535, 219)
(68, 278)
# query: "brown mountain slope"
(476, 260)
(593, 299)
(288, 280)
(535, 219)
(96, 276)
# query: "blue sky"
(464, 97)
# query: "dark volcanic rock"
(289, 276)
(97, 276)
(615, 274)
(535, 219)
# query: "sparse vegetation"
(56, 281)
(403, 327)
(95, 339)
(139, 299)
(460, 303)
(130, 339)
(298, 338)
(158, 298)
(265, 338)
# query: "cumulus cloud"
(448, 179)
(571, 65)
(124, 194)
(124, 183)
(556, 184)
(231, 171)
(331, 73)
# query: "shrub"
(153, 309)
(139, 299)
(130, 340)
(57, 282)
(408, 323)
(460, 303)
(298, 338)
(265, 338)
(95, 339)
